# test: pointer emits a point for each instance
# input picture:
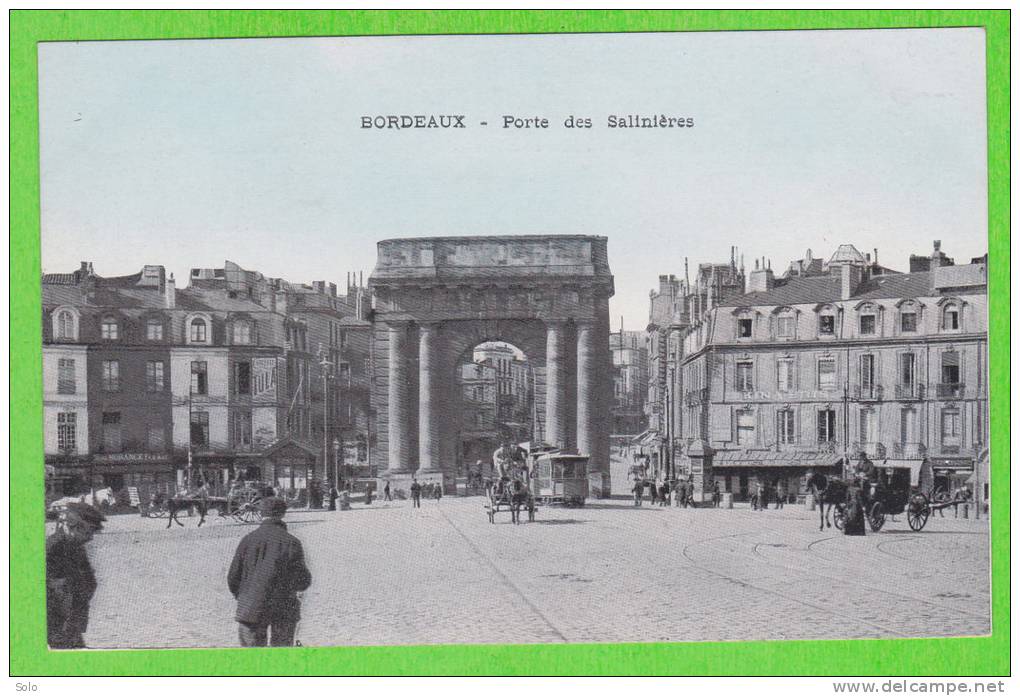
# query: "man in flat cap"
(267, 573)
(70, 581)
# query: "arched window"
(199, 330)
(909, 318)
(744, 320)
(951, 319)
(154, 329)
(785, 322)
(826, 321)
(867, 320)
(65, 325)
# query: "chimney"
(281, 301)
(876, 255)
(332, 289)
(850, 278)
(760, 279)
(319, 286)
(170, 293)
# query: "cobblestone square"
(391, 574)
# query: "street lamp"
(336, 462)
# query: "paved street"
(390, 574)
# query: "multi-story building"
(479, 423)
(630, 381)
(810, 370)
(149, 385)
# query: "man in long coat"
(70, 580)
(267, 573)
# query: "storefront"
(289, 465)
(950, 474)
(739, 472)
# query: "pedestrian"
(689, 492)
(780, 495)
(638, 490)
(415, 493)
(386, 492)
(438, 493)
(70, 581)
(333, 495)
(265, 576)
(368, 494)
(664, 494)
(716, 495)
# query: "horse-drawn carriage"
(889, 493)
(241, 503)
(510, 491)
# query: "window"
(65, 325)
(66, 383)
(785, 432)
(199, 378)
(951, 367)
(908, 426)
(745, 376)
(951, 318)
(242, 333)
(908, 322)
(109, 329)
(827, 374)
(745, 428)
(199, 331)
(344, 372)
(907, 369)
(156, 438)
(67, 431)
(827, 425)
(951, 428)
(868, 422)
(867, 372)
(784, 375)
(242, 378)
(111, 375)
(744, 327)
(111, 432)
(199, 429)
(867, 324)
(242, 430)
(786, 327)
(154, 330)
(827, 325)
(154, 376)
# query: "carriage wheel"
(877, 517)
(839, 517)
(918, 511)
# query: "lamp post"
(336, 462)
(325, 365)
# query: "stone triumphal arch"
(438, 297)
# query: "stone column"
(555, 382)
(587, 388)
(399, 425)
(428, 400)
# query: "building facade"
(813, 369)
(630, 382)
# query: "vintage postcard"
(580, 338)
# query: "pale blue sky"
(186, 153)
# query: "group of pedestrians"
(663, 493)
(763, 494)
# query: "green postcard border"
(29, 655)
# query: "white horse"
(102, 497)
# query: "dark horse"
(832, 492)
(514, 494)
(179, 504)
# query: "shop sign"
(130, 458)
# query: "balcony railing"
(950, 390)
(868, 393)
(909, 392)
(909, 450)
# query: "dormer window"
(867, 325)
(827, 325)
(908, 321)
(65, 325)
(109, 329)
(199, 330)
(242, 333)
(745, 328)
(154, 330)
(951, 318)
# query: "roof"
(828, 288)
(768, 458)
(847, 253)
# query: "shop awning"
(767, 458)
(648, 437)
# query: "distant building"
(630, 381)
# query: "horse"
(102, 497)
(514, 494)
(831, 494)
(175, 504)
